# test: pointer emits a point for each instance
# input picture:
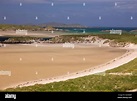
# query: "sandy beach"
(29, 63)
(31, 33)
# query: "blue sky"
(112, 13)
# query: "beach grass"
(116, 38)
(6, 27)
(100, 82)
(131, 38)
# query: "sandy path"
(130, 55)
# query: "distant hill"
(54, 24)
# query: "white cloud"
(129, 5)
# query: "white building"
(21, 32)
(68, 45)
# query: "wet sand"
(32, 33)
(28, 62)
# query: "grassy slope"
(120, 38)
(5, 27)
(93, 83)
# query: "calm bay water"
(100, 30)
(3, 38)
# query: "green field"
(120, 38)
(101, 82)
(124, 38)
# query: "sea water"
(99, 30)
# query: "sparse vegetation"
(22, 39)
(131, 38)
(120, 40)
(66, 38)
(8, 27)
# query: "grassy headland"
(131, 38)
(114, 40)
(8, 27)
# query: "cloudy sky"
(108, 13)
